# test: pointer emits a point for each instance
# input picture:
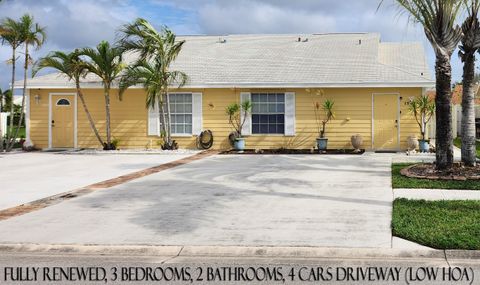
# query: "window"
(268, 113)
(63, 102)
(181, 113)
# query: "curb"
(239, 251)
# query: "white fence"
(431, 129)
(459, 117)
(3, 122)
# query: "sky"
(72, 24)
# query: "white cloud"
(71, 24)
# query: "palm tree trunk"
(22, 110)
(169, 124)
(9, 132)
(164, 120)
(87, 112)
(107, 116)
(468, 111)
(444, 139)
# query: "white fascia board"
(255, 85)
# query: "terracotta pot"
(357, 141)
(412, 143)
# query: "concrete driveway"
(25, 177)
(340, 201)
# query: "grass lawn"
(438, 224)
(458, 143)
(400, 181)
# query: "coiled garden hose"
(205, 139)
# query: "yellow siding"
(353, 108)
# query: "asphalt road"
(46, 269)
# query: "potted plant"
(322, 121)
(423, 109)
(237, 114)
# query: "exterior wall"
(353, 109)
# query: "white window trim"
(183, 134)
(75, 113)
(284, 115)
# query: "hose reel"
(205, 139)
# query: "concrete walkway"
(26, 177)
(258, 200)
(437, 194)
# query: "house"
(283, 75)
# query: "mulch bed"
(294, 151)
(428, 171)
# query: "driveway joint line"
(446, 258)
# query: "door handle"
(53, 123)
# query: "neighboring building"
(457, 104)
(283, 75)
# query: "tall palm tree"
(33, 35)
(438, 20)
(162, 48)
(74, 68)
(469, 46)
(12, 35)
(106, 62)
(151, 75)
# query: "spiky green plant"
(323, 119)
(237, 115)
(422, 108)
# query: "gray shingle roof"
(282, 61)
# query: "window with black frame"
(268, 113)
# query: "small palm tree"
(106, 62)
(469, 46)
(162, 49)
(33, 35)
(438, 20)
(422, 108)
(74, 68)
(328, 115)
(235, 113)
(12, 35)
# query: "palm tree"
(438, 20)
(106, 62)
(74, 68)
(33, 35)
(12, 34)
(469, 46)
(151, 75)
(162, 48)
